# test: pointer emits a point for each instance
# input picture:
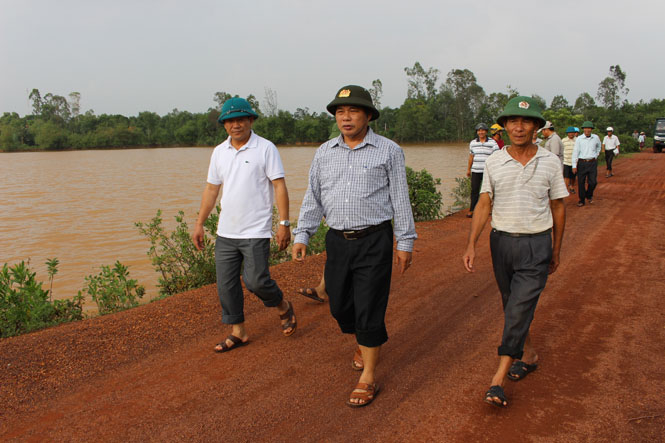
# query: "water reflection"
(80, 206)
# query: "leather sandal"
(288, 316)
(223, 347)
(357, 363)
(367, 394)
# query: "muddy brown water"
(80, 206)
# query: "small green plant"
(317, 243)
(425, 199)
(52, 269)
(25, 305)
(112, 289)
(462, 192)
(180, 265)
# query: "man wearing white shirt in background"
(585, 153)
(611, 148)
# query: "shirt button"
(347, 200)
(349, 183)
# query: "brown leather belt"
(586, 159)
(359, 233)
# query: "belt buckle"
(347, 233)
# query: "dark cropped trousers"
(521, 266)
(357, 277)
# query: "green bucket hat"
(353, 95)
(236, 107)
(587, 124)
(521, 106)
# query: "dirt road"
(150, 373)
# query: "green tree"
(559, 102)
(612, 88)
(421, 82)
(583, 103)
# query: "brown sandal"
(366, 396)
(357, 363)
(288, 315)
(223, 347)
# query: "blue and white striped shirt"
(358, 188)
(480, 152)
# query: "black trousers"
(609, 156)
(357, 277)
(521, 266)
(476, 181)
(586, 171)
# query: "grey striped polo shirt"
(521, 194)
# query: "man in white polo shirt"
(524, 189)
(611, 148)
(251, 171)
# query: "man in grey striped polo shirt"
(524, 190)
(357, 181)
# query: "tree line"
(435, 110)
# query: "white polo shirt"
(246, 177)
(611, 142)
(521, 194)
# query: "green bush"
(180, 265)
(25, 306)
(462, 192)
(425, 199)
(317, 243)
(112, 289)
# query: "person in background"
(524, 190)
(496, 132)
(568, 146)
(251, 171)
(358, 183)
(552, 140)
(480, 148)
(585, 153)
(636, 135)
(611, 148)
(642, 138)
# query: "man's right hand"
(468, 258)
(298, 252)
(197, 237)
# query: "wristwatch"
(285, 223)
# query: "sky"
(125, 57)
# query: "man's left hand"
(403, 260)
(283, 237)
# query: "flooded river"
(80, 206)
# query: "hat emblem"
(344, 93)
(523, 105)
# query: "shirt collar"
(541, 152)
(370, 139)
(251, 143)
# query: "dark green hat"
(236, 107)
(353, 95)
(521, 106)
(587, 124)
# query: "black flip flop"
(310, 293)
(496, 391)
(519, 370)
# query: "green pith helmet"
(587, 124)
(480, 126)
(521, 106)
(236, 107)
(353, 95)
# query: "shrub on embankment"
(25, 306)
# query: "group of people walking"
(577, 154)
(357, 182)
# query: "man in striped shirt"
(524, 189)
(480, 148)
(357, 181)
